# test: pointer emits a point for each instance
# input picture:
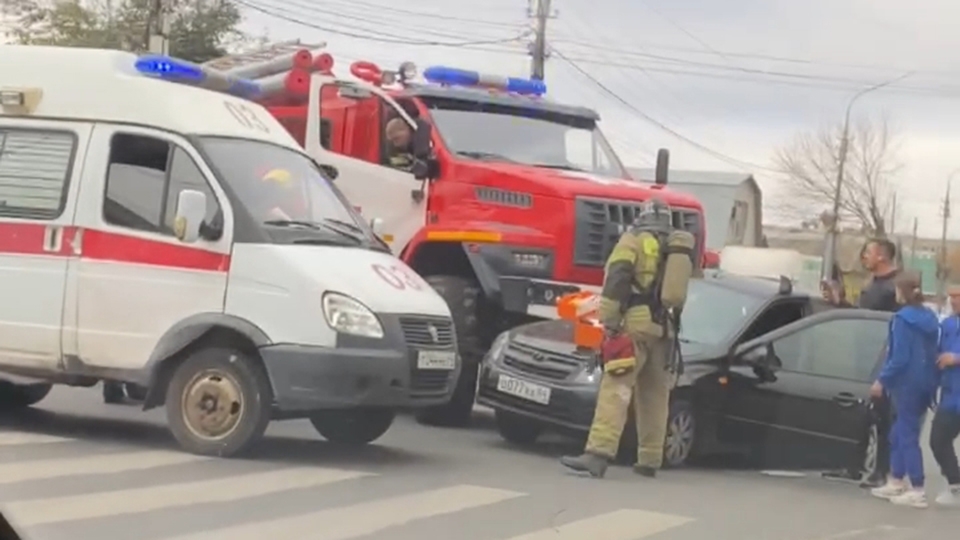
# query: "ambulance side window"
(144, 178)
(34, 171)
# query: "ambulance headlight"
(348, 316)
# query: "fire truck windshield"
(515, 135)
(280, 186)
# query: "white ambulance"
(177, 238)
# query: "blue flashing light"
(181, 71)
(461, 77)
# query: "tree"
(200, 30)
(811, 160)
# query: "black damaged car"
(770, 373)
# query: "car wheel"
(354, 426)
(218, 402)
(681, 434)
(871, 451)
(19, 396)
(517, 429)
(463, 298)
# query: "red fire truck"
(501, 199)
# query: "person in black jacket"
(878, 257)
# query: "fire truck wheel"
(218, 402)
(463, 297)
(353, 427)
(18, 396)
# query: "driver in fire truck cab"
(400, 137)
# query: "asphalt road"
(78, 469)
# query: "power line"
(366, 33)
(428, 15)
(723, 157)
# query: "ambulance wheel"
(517, 429)
(19, 396)
(354, 427)
(218, 402)
(463, 298)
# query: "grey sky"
(692, 65)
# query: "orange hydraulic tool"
(581, 308)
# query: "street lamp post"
(830, 243)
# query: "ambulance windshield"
(278, 186)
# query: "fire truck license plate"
(523, 389)
(436, 360)
(545, 294)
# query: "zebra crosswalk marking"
(618, 525)
(100, 464)
(144, 499)
(15, 438)
(365, 518)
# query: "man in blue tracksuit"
(946, 422)
(909, 378)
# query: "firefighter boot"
(644, 470)
(588, 463)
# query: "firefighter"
(400, 137)
(645, 286)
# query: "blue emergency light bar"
(461, 77)
(183, 72)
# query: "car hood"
(557, 335)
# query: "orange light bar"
(464, 236)
(581, 308)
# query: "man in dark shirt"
(879, 258)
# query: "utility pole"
(158, 28)
(913, 243)
(539, 10)
(830, 244)
(944, 271)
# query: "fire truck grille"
(599, 223)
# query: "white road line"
(618, 525)
(13, 438)
(145, 499)
(365, 518)
(100, 464)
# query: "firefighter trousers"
(647, 387)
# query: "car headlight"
(348, 316)
(498, 346)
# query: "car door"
(40, 162)
(822, 370)
(132, 278)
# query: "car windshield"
(712, 312)
(515, 135)
(278, 185)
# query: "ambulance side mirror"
(191, 209)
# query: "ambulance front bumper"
(358, 372)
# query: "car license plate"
(523, 389)
(436, 360)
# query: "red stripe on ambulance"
(40, 239)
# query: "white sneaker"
(914, 497)
(891, 489)
(950, 497)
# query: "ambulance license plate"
(523, 389)
(446, 360)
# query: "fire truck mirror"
(422, 149)
(663, 166)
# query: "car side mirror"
(763, 360)
(191, 208)
(376, 225)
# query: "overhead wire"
(367, 34)
(739, 163)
